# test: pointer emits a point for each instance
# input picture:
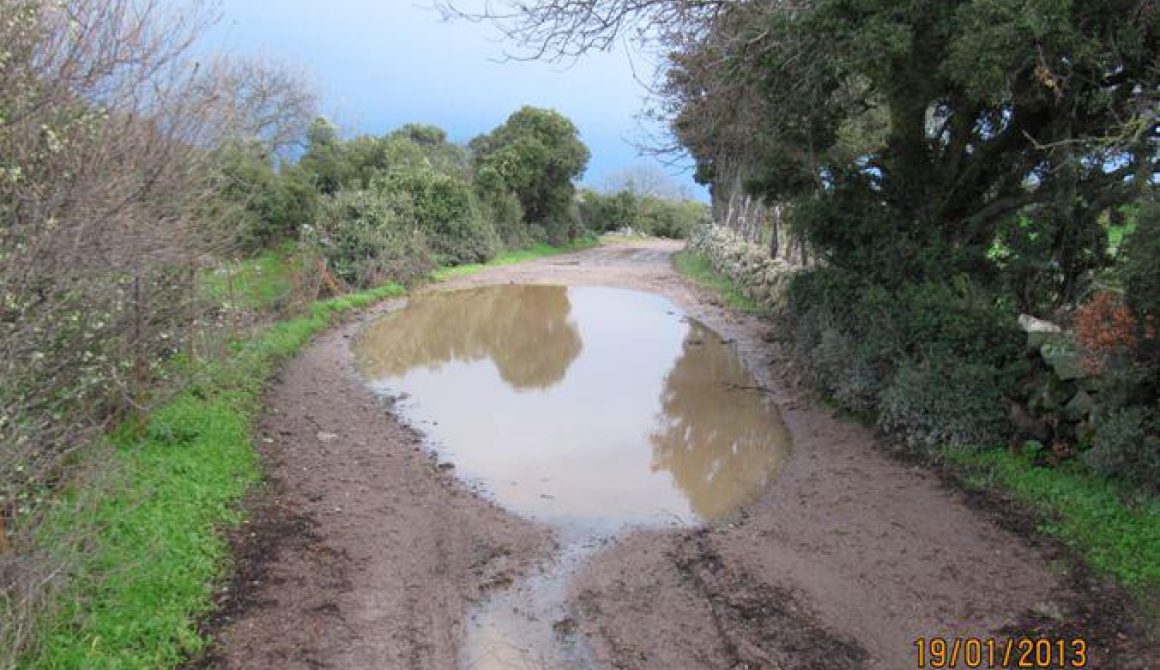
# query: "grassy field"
(155, 550)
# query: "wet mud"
(841, 562)
(594, 410)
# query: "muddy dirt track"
(365, 552)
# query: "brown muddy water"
(591, 409)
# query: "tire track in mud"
(759, 625)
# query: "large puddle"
(588, 408)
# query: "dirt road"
(366, 553)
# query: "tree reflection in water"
(722, 442)
(524, 330)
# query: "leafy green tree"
(321, 133)
(1140, 269)
(263, 205)
(415, 144)
(423, 134)
(246, 180)
(295, 205)
(325, 159)
(335, 164)
(994, 109)
(502, 208)
(536, 154)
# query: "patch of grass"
(1116, 235)
(1086, 513)
(517, 256)
(697, 267)
(156, 550)
(257, 284)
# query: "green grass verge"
(1086, 513)
(697, 267)
(157, 551)
(518, 256)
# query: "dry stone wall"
(748, 265)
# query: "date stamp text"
(945, 653)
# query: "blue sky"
(378, 64)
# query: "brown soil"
(363, 552)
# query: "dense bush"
(943, 400)
(934, 360)
(643, 213)
(605, 213)
(335, 164)
(503, 210)
(673, 219)
(444, 208)
(843, 370)
(365, 243)
(1140, 267)
(939, 362)
(1116, 335)
(453, 204)
(961, 319)
(1127, 445)
(510, 188)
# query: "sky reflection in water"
(586, 406)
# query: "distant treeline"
(394, 206)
